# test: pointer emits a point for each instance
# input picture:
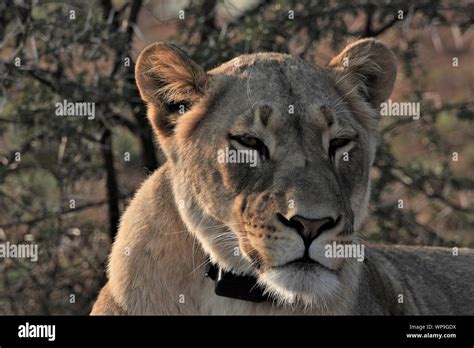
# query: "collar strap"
(241, 287)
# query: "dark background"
(65, 181)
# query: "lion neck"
(167, 274)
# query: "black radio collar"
(241, 287)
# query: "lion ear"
(170, 82)
(371, 66)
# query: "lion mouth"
(305, 263)
(305, 260)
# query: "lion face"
(271, 159)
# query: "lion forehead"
(291, 88)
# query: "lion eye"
(253, 143)
(336, 144)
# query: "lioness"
(313, 134)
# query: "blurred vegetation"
(65, 181)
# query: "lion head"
(270, 158)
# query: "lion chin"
(294, 284)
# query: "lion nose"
(309, 229)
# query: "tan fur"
(196, 206)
